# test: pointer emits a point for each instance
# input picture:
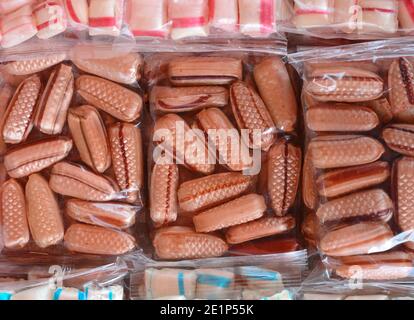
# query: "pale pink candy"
(147, 18)
(379, 16)
(224, 15)
(189, 18)
(406, 14)
(284, 10)
(77, 12)
(313, 13)
(17, 27)
(257, 17)
(7, 6)
(105, 17)
(50, 19)
(347, 15)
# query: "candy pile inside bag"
(72, 154)
(213, 194)
(358, 163)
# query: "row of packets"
(160, 19)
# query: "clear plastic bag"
(273, 277)
(62, 281)
(351, 19)
(198, 195)
(135, 21)
(358, 161)
(73, 153)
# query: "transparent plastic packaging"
(358, 163)
(62, 281)
(350, 19)
(134, 21)
(252, 278)
(318, 286)
(224, 162)
(72, 153)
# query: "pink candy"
(17, 27)
(7, 6)
(105, 17)
(257, 17)
(224, 15)
(50, 19)
(189, 18)
(77, 12)
(147, 18)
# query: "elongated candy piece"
(18, 119)
(224, 16)
(191, 151)
(77, 12)
(284, 168)
(41, 293)
(90, 137)
(313, 13)
(232, 152)
(403, 173)
(120, 67)
(105, 17)
(50, 19)
(34, 157)
(400, 138)
(344, 84)
(309, 193)
(74, 181)
(207, 192)
(189, 18)
(96, 240)
(192, 71)
(310, 229)
(401, 83)
(406, 14)
(26, 67)
(165, 283)
(110, 215)
(386, 266)
(110, 97)
(43, 213)
(379, 16)
(342, 181)
(242, 210)
(17, 27)
(361, 238)
(330, 152)
(147, 18)
(127, 159)
(179, 243)
(341, 118)
(173, 99)
(6, 94)
(362, 206)
(257, 17)
(276, 90)
(265, 227)
(251, 114)
(163, 194)
(54, 103)
(15, 229)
